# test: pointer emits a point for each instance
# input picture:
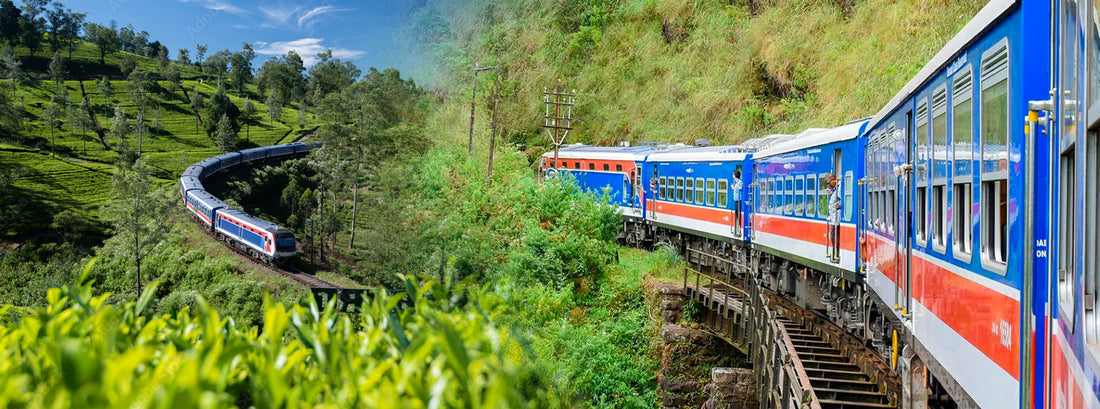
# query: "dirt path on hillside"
(187, 96)
(95, 120)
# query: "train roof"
(258, 149)
(193, 170)
(188, 182)
(582, 151)
(701, 154)
(970, 32)
(253, 220)
(814, 137)
(208, 199)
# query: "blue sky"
(365, 32)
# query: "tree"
(56, 18)
(249, 114)
(285, 75)
(171, 74)
(105, 39)
(10, 17)
(183, 56)
(273, 106)
(127, 63)
(69, 225)
(196, 104)
(105, 90)
(70, 31)
(242, 67)
(120, 127)
(137, 212)
(78, 115)
(32, 24)
(219, 105)
(156, 119)
(226, 137)
(200, 53)
(57, 70)
(54, 112)
(11, 67)
(331, 75)
(162, 58)
(217, 64)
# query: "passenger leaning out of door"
(833, 249)
(737, 186)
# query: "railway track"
(801, 359)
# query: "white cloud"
(219, 5)
(279, 15)
(307, 48)
(309, 18)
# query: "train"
(958, 228)
(261, 239)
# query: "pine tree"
(249, 113)
(137, 212)
(273, 106)
(226, 138)
(120, 127)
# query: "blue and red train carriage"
(257, 237)
(969, 219)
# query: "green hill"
(43, 162)
(648, 70)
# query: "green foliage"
(80, 351)
(675, 71)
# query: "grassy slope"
(732, 76)
(170, 149)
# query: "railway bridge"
(799, 359)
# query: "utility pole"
(493, 130)
(558, 98)
(473, 103)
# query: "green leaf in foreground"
(80, 351)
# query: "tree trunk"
(354, 203)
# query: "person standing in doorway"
(834, 218)
(654, 184)
(737, 187)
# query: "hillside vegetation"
(648, 70)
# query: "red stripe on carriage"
(978, 313)
(813, 231)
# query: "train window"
(891, 210)
(606, 167)
(689, 190)
(1067, 237)
(618, 168)
(576, 165)
(811, 194)
(679, 189)
(772, 196)
(700, 191)
(920, 174)
(710, 192)
(846, 189)
(765, 196)
(723, 187)
(939, 169)
(962, 134)
(591, 166)
(799, 195)
(823, 196)
(994, 169)
(788, 192)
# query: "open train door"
(902, 213)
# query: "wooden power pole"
(558, 126)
